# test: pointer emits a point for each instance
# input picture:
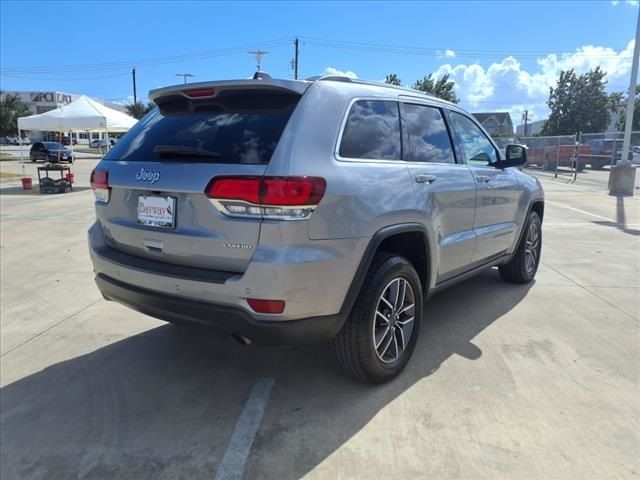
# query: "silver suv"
(290, 212)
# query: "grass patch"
(9, 175)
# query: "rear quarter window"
(372, 131)
(242, 128)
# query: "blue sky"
(503, 55)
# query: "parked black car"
(53, 152)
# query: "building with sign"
(41, 102)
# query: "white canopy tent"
(81, 114)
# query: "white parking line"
(235, 457)
(586, 225)
(594, 215)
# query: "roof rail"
(340, 78)
(334, 78)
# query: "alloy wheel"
(393, 320)
(531, 248)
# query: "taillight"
(283, 198)
(236, 188)
(100, 185)
(285, 191)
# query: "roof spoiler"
(199, 90)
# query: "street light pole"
(258, 54)
(295, 65)
(626, 143)
(622, 175)
(135, 95)
(184, 76)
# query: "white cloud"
(633, 3)
(446, 53)
(615, 2)
(339, 73)
(507, 86)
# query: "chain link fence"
(605, 149)
(583, 157)
(557, 154)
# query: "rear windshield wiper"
(169, 150)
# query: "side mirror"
(516, 155)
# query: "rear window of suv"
(238, 128)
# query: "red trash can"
(27, 183)
(70, 177)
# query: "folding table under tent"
(81, 114)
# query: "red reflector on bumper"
(266, 306)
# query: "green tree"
(578, 103)
(622, 116)
(139, 109)
(392, 79)
(11, 107)
(442, 88)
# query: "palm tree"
(392, 79)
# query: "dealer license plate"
(155, 211)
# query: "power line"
(439, 52)
(63, 79)
(126, 64)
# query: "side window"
(476, 146)
(428, 137)
(372, 131)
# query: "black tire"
(354, 347)
(520, 269)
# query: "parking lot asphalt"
(507, 381)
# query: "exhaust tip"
(241, 339)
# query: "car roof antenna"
(261, 76)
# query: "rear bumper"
(311, 277)
(226, 318)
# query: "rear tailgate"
(158, 173)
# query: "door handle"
(423, 178)
(483, 178)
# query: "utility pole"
(526, 119)
(258, 54)
(135, 95)
(184, 76)
(622, 175)
(295, 61)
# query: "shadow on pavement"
(621, 219)
(164, 403)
